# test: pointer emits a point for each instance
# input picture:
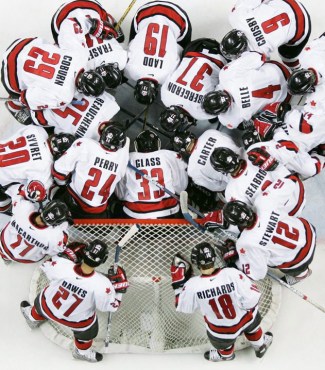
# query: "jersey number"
(151, 42)
(96, 174)
(273, 23)
(227, 308)
(64, 295)
(73, 111)
(292, 235)
(18, 242)
(156, 173)
(195, 83)
(44, 69)
(266, 92)
(16, 156)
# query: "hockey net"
(147, 320)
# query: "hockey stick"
(74, 101)
(185, 207)
(294, 290)
(127, 10)
(161, 187)
(132, 231)
(134, 119)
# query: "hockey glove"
(35, 191)
(118, 279)
(229, 252)
(181, 270)
(103, 30)
(261, 158)
(215, 220)
(74, 252)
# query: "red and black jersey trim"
(11, 67)
(304, 251)
(196, 54)
(166, 11)
(58, 175)
(302, 20)
(146, 207)
(289, 145)
(234, 329)
(72, 324)
(301, 196)
(84, 206)
(39, 115)
(304, 126)
(285, 71)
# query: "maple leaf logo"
(242, 251)
(108, 290)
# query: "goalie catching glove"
(118, 279)
(181, 270)
(261, 158)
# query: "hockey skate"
(260, 351)
(214, 356)
(292, 280)
(26, 310)
(89, 355)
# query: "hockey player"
(226, 297)
(74, 292)
(31, 234)
(43, 76)
(160, 30)
(270, 238)
(247, 84)
(90, 170)
(196, 75)
(26, 158)
(141, 199)
(256, 173)
(80, 120)
(266, 26)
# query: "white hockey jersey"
(94, 170)
(71, 298)
(196, 75)
(271, 23)
(43, 73)
(154, 52)
(275, 240)
(23, 241)
(199, 166)
(79, 120)
(227, 299)
(140, 197)
(252, 83)
(26, 156)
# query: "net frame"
(147, 321)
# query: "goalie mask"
(175, 118)
(60, 143)
(113, 137)
(95, 253)
(55, 213)
(147, 141)
(111, 75)
(216, 102)
(224, 160)
(203, 255)
(233, 44)
(145, 91)
(90, 83)
(302, 82)
(238, 213)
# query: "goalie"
(227, 298)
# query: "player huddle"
(71, 158)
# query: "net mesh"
(147, 320)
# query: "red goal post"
(147, 320)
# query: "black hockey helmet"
(238, 213)
(225, 160)
(233, 44)
(145, 91)
(147, 141)
(55, 213)
(184, 141)
(111, 74)
(112, 136)
(216, 102)
(95, 253)
(59, 143)
(198, 45)
(203, 255)
(302, 82)
(90, 83)
(175, 118)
